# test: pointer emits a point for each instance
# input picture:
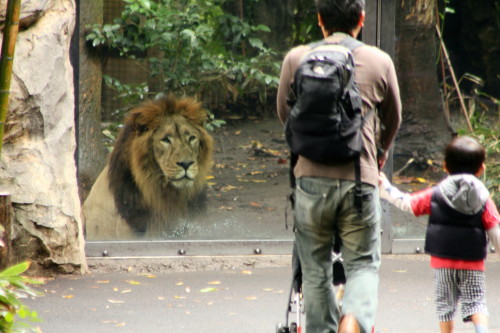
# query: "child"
(461, 216)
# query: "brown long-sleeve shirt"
(378, 84)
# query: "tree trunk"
(424, 130)
(91, 153)
(471, 35)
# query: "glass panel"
(247, 194)
(248, 190)
(407, 226)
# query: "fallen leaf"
(179, 283)
(253, 173)
(209, 177)
(237, 132)
(102, 281)
(214, 282)
(251, 298)
(180, 297)
(255, 204)
(133, 282)
(400, 271)
(68, 296)
(246, 272)
(114, 301)
(258, 180)
(228, 188)
(256, 144)
(126, 291)
(208, 290)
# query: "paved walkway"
(243, 299)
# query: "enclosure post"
(6, 216)
(7, 58)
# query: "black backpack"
(325, 123)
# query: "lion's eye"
(166, 139)
(191, 138)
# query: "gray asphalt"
(232, 300)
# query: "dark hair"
(340, 15)
(464, 154)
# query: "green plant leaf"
(15, 270)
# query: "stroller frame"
(295, 299)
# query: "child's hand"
(382, 178)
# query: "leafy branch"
(190, 47)
(13, 287)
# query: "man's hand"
(381, 157)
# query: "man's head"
(340, 15)
(464, 155)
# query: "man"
(325, 193)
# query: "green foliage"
(189, 47)
(305, 22)
(13, 313)
(487, 130)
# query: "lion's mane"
(160, 139)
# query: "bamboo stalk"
(454, 78)
(7, 59)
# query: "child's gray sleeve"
(494, 236)
(394, 196)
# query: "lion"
(156, 174)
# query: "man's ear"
(361, 22)
(481, 170)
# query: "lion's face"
(177, 147)
(158, 168)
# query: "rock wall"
(37, 165)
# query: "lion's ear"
(135, 122)
(143, 119)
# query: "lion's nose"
(185, 165)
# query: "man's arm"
(390, 109)
(288, 68)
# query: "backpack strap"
(351, 44)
